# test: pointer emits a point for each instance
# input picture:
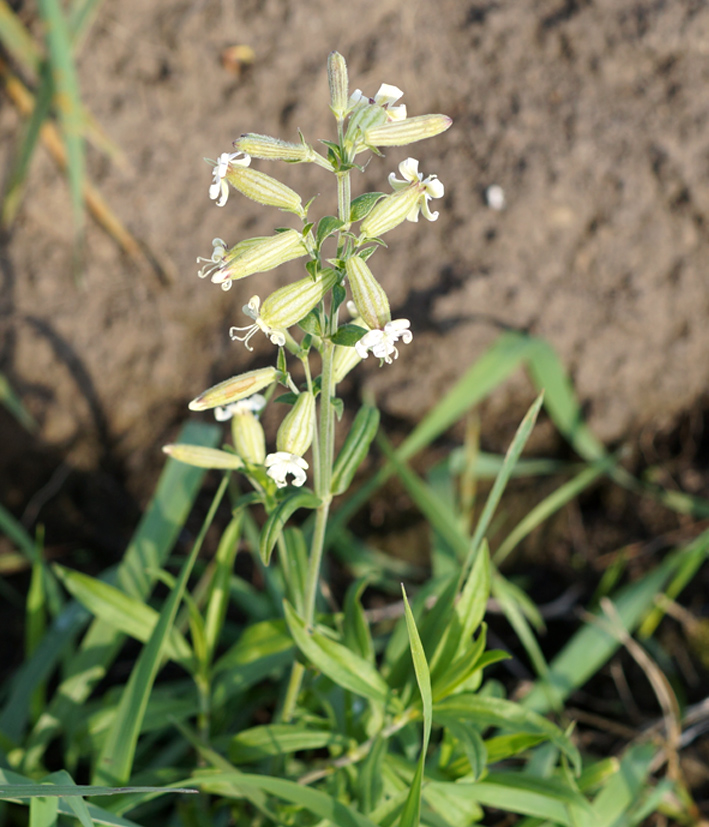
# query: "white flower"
(430, 188)
(212, 264)
(253, 403)
(382, 342)
(219, 190)
(283, 463)
(385, 97)
(251, 309)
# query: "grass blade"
(12, 402)
(219, 589)
(125, 613)
(592, 646)
(316, 802)
(560, 401)
(411, 813)
(116, 759)
(551, 504)
(511, 457)
(507, 353)
(68, 100)
(17, 40)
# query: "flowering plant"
(313, 303)
(364, 714)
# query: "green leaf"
(43, 812)
(484, 712)
(327, 226)
(504, 593)
(362, 205)
(513, 454)
(15, 531)
(126, 614)
(518, 793)
(342, 666)
(411, 813)
(473, 745)
(505, 746)
(622, 789)
(348, 335)
(278, 518)
(551, 504)
(355, 449)
(148, 550)
(509, 352)
(77, 804)
(279, 739)
(321, 805)
(438, 512)
(355, 629)
(560, 401)
(294, 562)
(67, 101)
(263, 649)
(369, 779)
(474, 596)
(11, 400)
(219, 588)
(17, 40)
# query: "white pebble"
(495, 197)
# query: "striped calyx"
(368, 295)
(298, 428)
(234, 389)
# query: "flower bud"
(298, 428)
(264, 189)
(202, 457)
(391, 211)
(282, 309)
(400, 133)
(273, 149)
(288, 305)
(234, 389)
(249, 438)
(337, 79)
(369, 296)
(258, 256)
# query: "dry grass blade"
(660, 685)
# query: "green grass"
(400, 721)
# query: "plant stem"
(323, 455)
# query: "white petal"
(387, 94)
(397, 113)
(361, 349)
(433, 187)
(223, 198)
(396, 183)
(222, 414)
(409, 169)
(431, 216)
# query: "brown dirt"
(591, 115)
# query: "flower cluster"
(364, 124)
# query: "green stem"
(323, 454)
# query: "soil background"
(590, 114)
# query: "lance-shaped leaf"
(342, 666)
